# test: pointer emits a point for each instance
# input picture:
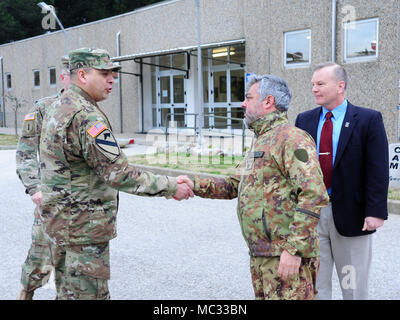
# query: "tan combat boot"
(25, 295)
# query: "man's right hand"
(37, 198)
(185, 179)
(184, 191)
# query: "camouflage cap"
(91, 58)
(65, 62)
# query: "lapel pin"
(347, 124)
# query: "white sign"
(394, 165)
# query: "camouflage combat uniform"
(280, 192)
(37, 266)
(82, 170)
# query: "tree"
(17, 104)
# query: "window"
(361, 40)
(223, 86)
(52, 76)
(8, 79)
(36, 78)
(297, 48)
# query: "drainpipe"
(3, 108)
(119, 83)
(142, 95)
(333, 54)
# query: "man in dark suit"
(353, 152)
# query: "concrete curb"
(5, 147)
(175, 172)
(394, 206)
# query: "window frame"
(55, 76)
(300, 64)
(8, 87)
(33, 72)
(345, 35)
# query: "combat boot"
(25, 295)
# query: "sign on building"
(394, 165)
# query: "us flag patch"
(29, 116)
(96, 129)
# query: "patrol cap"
(91, 58)
(65, 62)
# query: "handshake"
(185, 188)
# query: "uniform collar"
(83, 93)
(268, 122)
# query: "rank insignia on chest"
(96, 129)
(29, 117)
(107, 144)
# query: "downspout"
(3, 108)
(141, 95)
(333, 53)
(119, 84)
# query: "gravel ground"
(170, 250)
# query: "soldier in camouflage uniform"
(280, 192)
(37, 267)
(82, 169)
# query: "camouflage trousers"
(82, 271)
(268, 285)
(37, 267)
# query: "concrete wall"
(173, 24)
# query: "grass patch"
(394, 194)
(222, 165)
(8, 139)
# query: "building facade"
(157, 47)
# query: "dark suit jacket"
(360, 176)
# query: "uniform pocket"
(266, 230)
(29, 128)
(89, 260)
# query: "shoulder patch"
(108, 145)
(96, 129)
(29, 117)
(301, 154)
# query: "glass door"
(172, 95)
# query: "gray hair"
(274, 86)
(339, 72)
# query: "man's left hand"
(289, 265)
(372, 223)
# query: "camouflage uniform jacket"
(27, 156)
(82, 168)
(280, 190)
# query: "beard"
(249, 118)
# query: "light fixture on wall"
(222, 52)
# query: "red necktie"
(325, 150)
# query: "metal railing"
(196, 128)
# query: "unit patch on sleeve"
(107, 144)
(96, 129)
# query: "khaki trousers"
(351, 257)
